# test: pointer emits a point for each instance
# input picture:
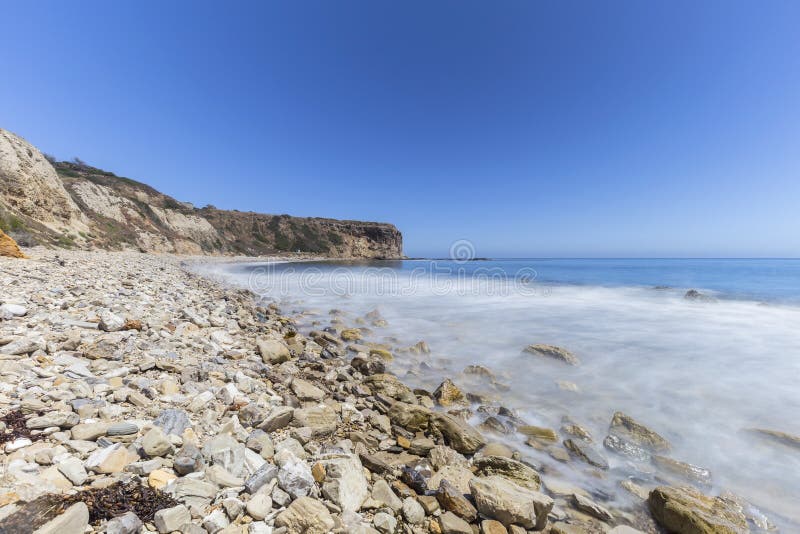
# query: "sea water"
(700, 372)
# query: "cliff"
(74, 205)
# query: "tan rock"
(9, 247)
(684, 510)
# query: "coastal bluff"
(73, 205)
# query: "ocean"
(701, 372)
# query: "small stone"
(306, 391)
(262, 476)
(121, 429)
(413, 511)
(448, 394)
(155, 443)
(259, 506)
(490, 526)
(273, 351)
(215, 521)
(449, 523)
(384, 523)
(127, 523)
(278, 418)
(112, 459)
(172, 421)
(88, 431)
(452, 500)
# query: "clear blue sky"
(532, 128)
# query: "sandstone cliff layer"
(74, 205)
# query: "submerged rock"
(551, 351)
(625, 429)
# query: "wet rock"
(368, 365)
(684, 510)
(538, 432)
(413, 417)
(459, 435)
(448, 394)
(514, 470)
(776, 436)
(624, 428)
(390, 386)
(553, 352)
(626, 448)
(500, 499)
(697, 296)
(306, 515)
(684, 470)
(588, 506)
(586, 453)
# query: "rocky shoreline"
(146, 398)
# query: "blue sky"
(531, 128)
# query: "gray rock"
(263, 475)
(459, 435)
(224, 450)
(383, 494)
(586, 453)
(59, 419)
(385, 523)
(127, 523)
(172, 421)
(215, 521)
(121, 429)
(295, 477)
(588, 506)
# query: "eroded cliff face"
(77, 206)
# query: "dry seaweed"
(15, 428)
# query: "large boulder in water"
(684, 510)
(551, 351)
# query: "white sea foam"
(699, 373)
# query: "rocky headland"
(76, 206)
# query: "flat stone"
(588, 506)
(585, 452)
(74, 519)
(453, 500)
(306, 391)
(121, 429)
(279, 417)
(89, 431)
(459, 435)
(518, 472)
(112, 459)
(127, 523)
(73, 469)
(262, 476)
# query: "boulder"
(511, 504)
(684, 510)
